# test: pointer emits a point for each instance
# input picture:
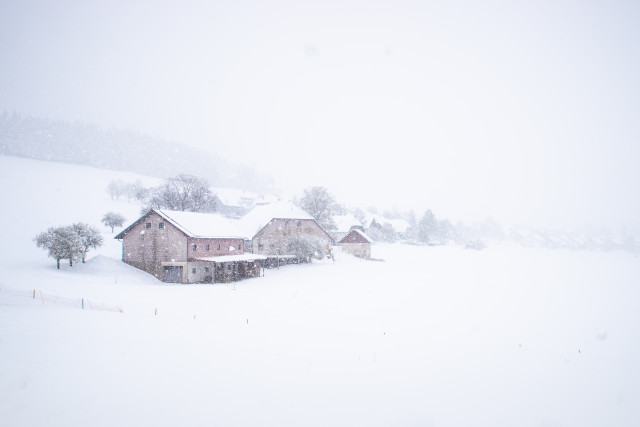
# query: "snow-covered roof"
(233, 258)
(196, 224)
(361, 233)
(398, 225)
(240, 198)
(345, 222)
(261, 215)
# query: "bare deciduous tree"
(90, 238)
(116, 188)
(61, 242)
(319, 203)
(184, 193)
(113, 219)
(69, 242)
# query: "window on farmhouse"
(206, 269)
(148, 225)
(193, 270)
(239, 246)
(207, 247)
(218, 247)
(299, 223)
(161, 225)
(194, 247)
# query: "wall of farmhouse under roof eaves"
(274, 238)
(151, 241)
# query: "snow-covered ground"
(433, 336)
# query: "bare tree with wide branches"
(184, 193)
(319, 203)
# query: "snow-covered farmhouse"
(356, 243)
(190, 247)
(187, 247)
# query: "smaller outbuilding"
(356, 243)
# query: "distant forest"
(87, 144)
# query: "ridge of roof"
(360, 232)
(193, 224)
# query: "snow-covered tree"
(444, 231)
(306, 247)
(184, 193)
(61, 242)
(319, 203)
(412, 231)
(383, 233)
(427, 227)
(90, 237)
(113, 219)
(359, 215)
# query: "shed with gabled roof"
(356, 243)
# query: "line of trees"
(132, 190)
(70, 242)
(424, 230)
(180, 193)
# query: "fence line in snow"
(14, 297)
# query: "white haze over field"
(433, 336)
(526, 111)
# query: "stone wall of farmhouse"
(274, 237)
(202, 248)
(152, 241)
(362, 250)
(200, 272)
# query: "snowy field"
(433, 336)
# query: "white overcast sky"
(524, 110)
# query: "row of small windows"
(161, 227)
(207, 247)
(261, 246)
(206, 270)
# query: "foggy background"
(526, 112)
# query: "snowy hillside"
(86, 144)
(433, 336)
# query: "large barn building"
(190, 247)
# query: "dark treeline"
(87, 144)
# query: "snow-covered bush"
(306, 247)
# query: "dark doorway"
(173, 274)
